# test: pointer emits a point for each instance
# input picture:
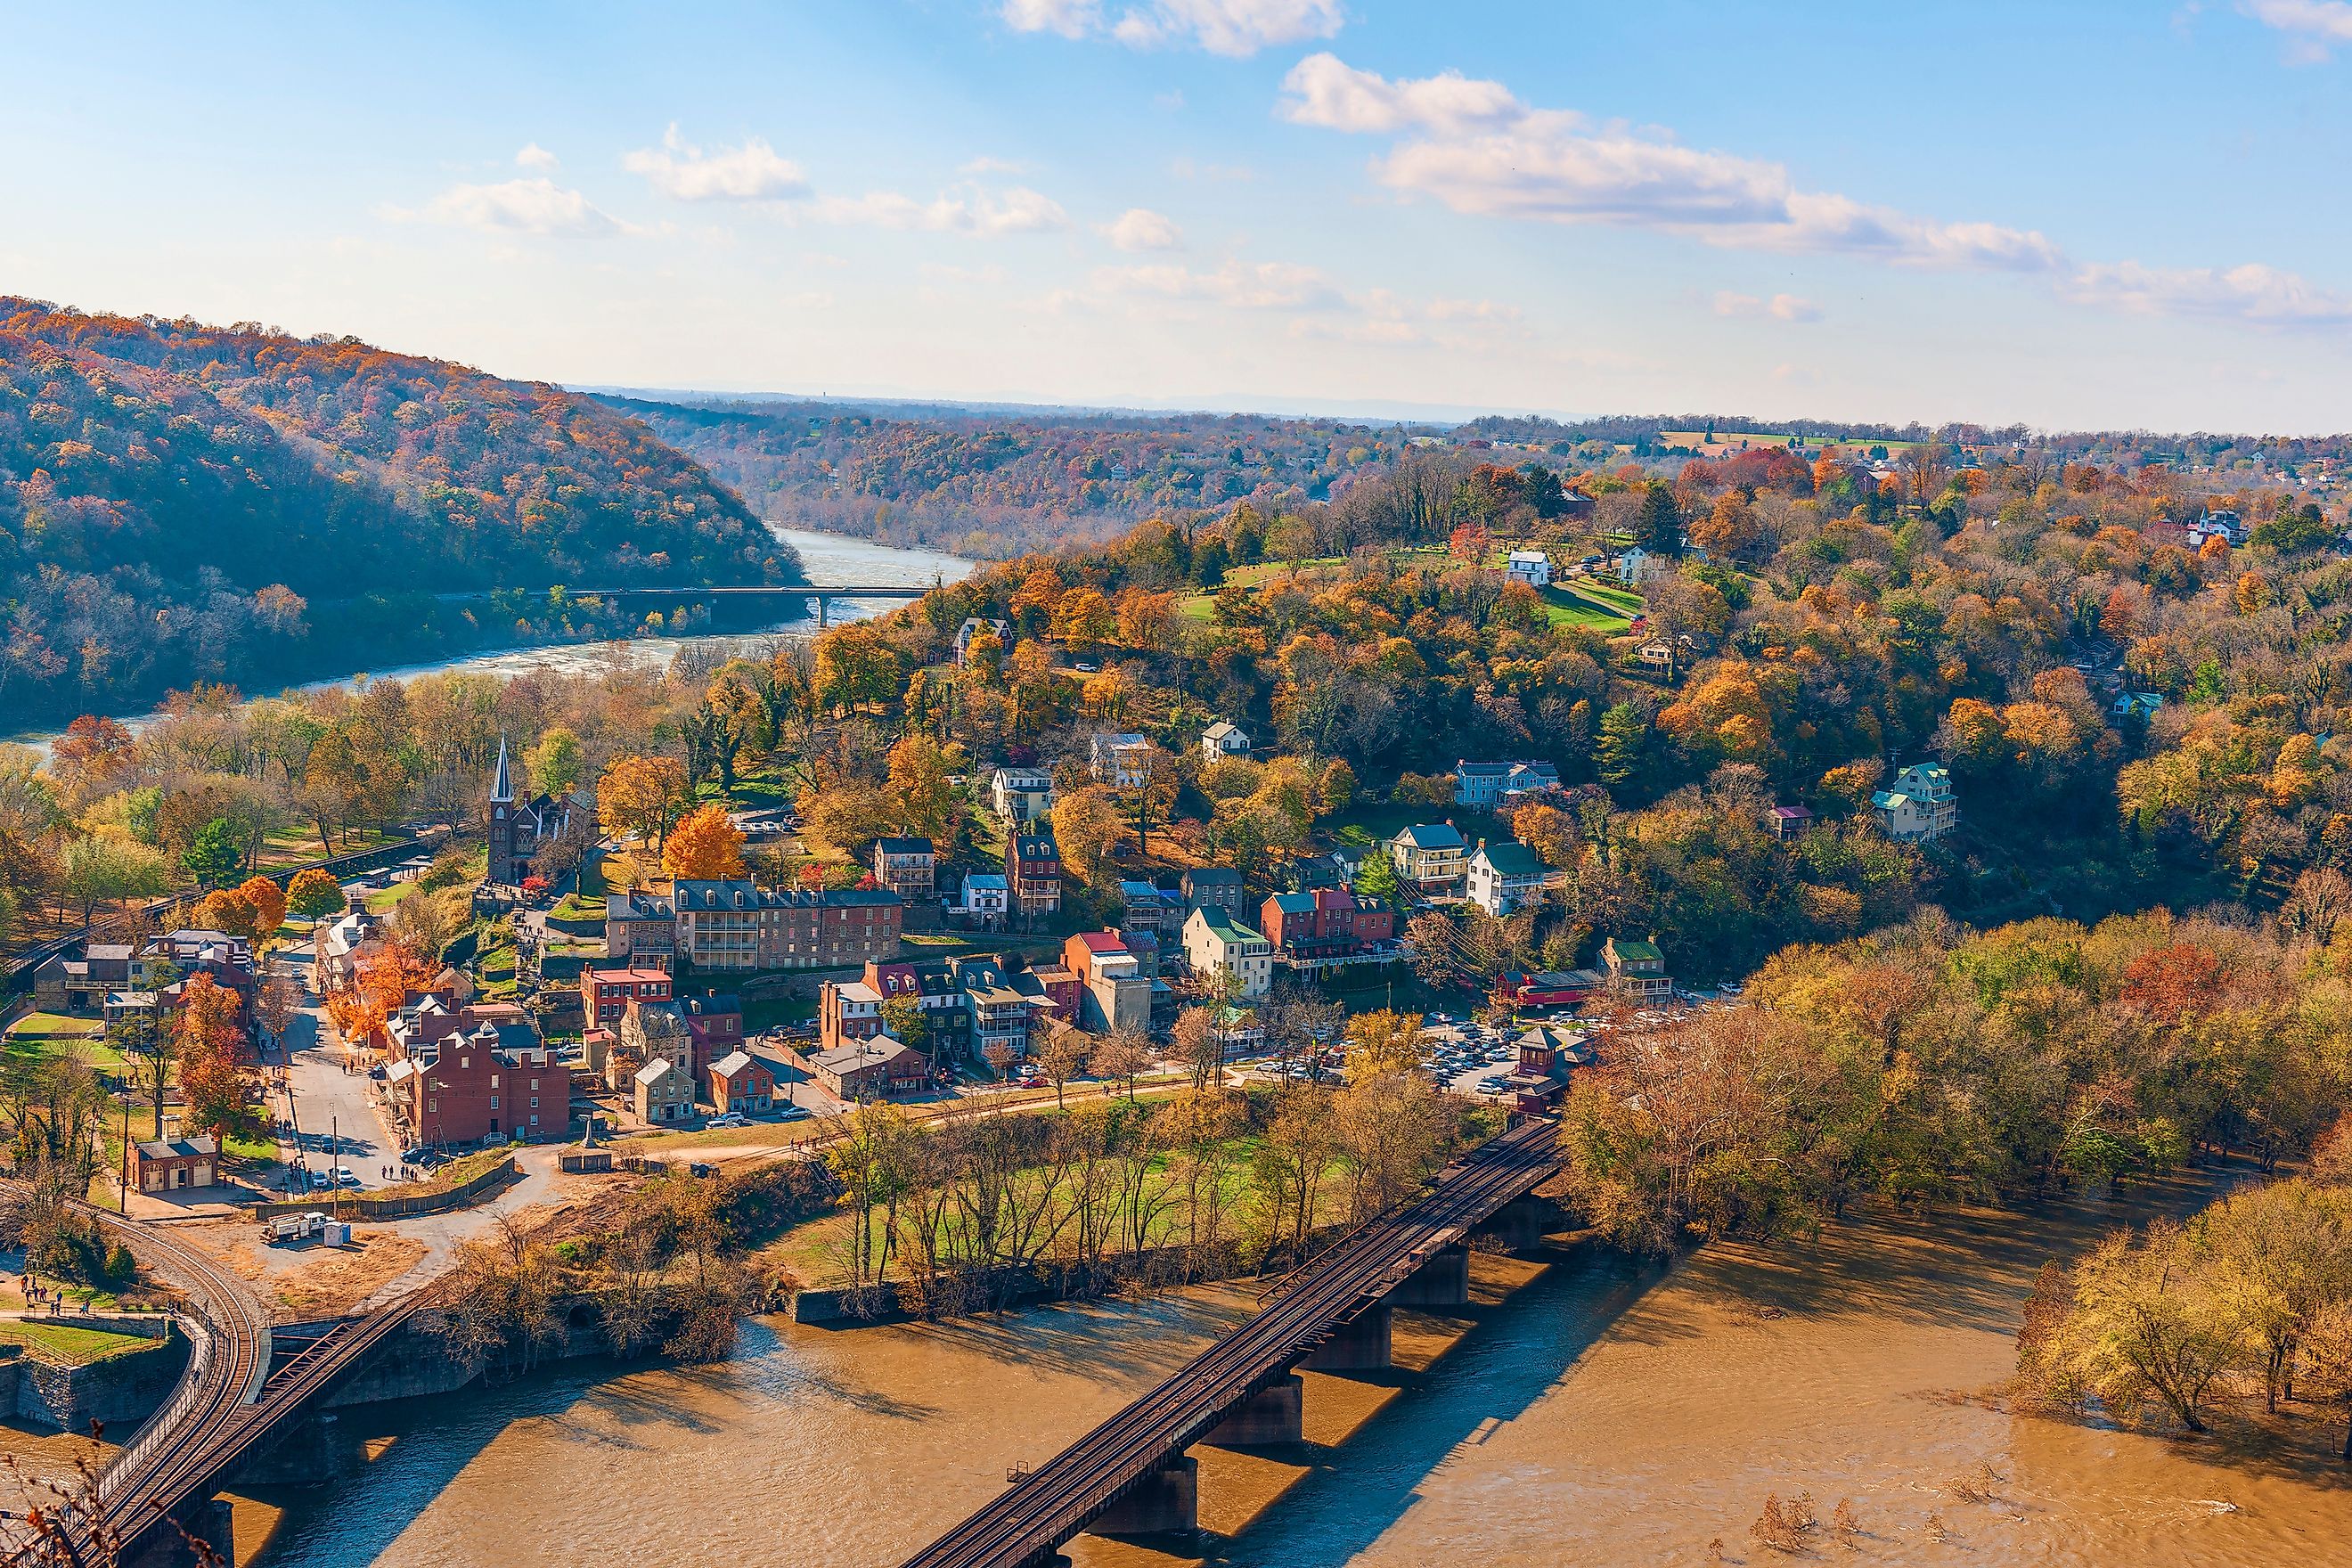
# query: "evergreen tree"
(1658, 526)
(1617, 755)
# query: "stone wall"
(121, 1391)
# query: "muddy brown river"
(1592, 1410)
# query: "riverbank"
(1867, 1365)
(825, 557)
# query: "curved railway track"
(1026, 1524)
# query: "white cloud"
(1240, 285)
(751, 172)
(1071, 18)
(1016, 210)
(520, 206)
(1474, 147)
(1324, 91)
(1140, 228)
(2316, 25)
(984, 164)
(2262, 295)
(534, 156)
(1780, 307)
(1233, 28)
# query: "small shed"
(175, 1164)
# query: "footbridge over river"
(1131, 1475)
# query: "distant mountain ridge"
(173, 495)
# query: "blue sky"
(2074, 214)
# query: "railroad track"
(1050, 1504)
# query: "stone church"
(518, 829)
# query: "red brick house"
(1327, 923)
(482, 1081)
(175, 1164)
(742, 1082)
(1033, 866)
(606, 994)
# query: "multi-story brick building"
(1325, 926)
(606, 994)
(483, 1075)
(1032, 864)
(738, 925)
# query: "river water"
(1604, 1412)
(825, 557)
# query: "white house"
(1532, 567)
(972, 627)
(1222, 740)
(1121, 761)
(1505, 878)
(986, 900)
(1639, 566)
(2222, 525)
(1215, 941)
(1020, 794)
(1919, 805)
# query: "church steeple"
(502, 786)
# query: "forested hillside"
(181, 502)
(989, 484)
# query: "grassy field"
(60, 1024)
(1566, 608)
(68, 1344)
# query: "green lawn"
(59, 1025)
(69, 1345)
(574, 908)
(1626, 602)
(1567, 609)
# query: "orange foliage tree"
(315, 894)
(227, 910)
(705, 846)
(268, 902)
(381, 982)
(212, 1059)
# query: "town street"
(325, 1101)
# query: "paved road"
(327, 1102)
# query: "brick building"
(738, 925)
(1033, 865)
(485, 1075)
(606, 994)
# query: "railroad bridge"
(1130, 1476)
(243, 1388)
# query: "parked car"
(729, 1119)
(791, 1114)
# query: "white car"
(729, 1119)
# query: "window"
(432, 1105)
(534, 1105)
(494, 1083)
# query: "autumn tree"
(705, 846)
(315, 894)
(211, 1059)
(925, 802)
(1087, 825)
(267, 901)
(640, 796)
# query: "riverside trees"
(1928, 1064)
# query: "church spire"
(502, 788)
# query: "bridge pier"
(1522, 1223)
(1360, 1345)
(1443, 1281)
(1269, 1418)
(319, 1449)
(1165, 1502)
(205, 1519)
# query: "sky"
(2087, 214)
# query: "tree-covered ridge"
(989, 484)
(177, 501)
